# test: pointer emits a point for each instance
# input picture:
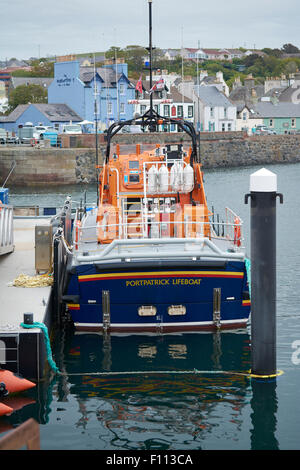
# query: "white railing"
(184, 248)
(6, 229)
(159, 245)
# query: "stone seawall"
(36, 166)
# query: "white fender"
(152, 179)
(188, 179)
(163, 177)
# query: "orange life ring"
(77, 227)
(237, 231)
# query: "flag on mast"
(139, 85)
(159, 85)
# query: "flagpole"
(150, 54)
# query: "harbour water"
(178, 391)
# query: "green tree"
(24, 94)
(39, 68)
(290, 49)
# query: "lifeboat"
(156, 259)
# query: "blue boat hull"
(132, 286)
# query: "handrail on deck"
(27, 434)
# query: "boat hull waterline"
(159, 299)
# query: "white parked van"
(72, 129)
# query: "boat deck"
(140, 248)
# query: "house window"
(109, 107)
(229, 126)
(223, 126)
(244, 116)
(156, 108)
(190, 111)
(166, 110)
(271, 123)
(122, 108)
(293, 122)
(143, 108)
(211, 112)
(225, 112)
(180, 111)
(122, 88)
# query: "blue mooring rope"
(248, 269)
(47, 343)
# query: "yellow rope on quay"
(40, 280)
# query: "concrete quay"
(22, 350)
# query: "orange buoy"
(17, 402)
(12, 383)
(5, 410)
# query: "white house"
(166, 102)
(216, 112)
(247, 119)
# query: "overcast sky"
(33, 28)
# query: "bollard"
(263, 187)
(28, 318)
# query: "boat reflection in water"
(158, 391)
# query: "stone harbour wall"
(39, 166)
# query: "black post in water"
(263, 187)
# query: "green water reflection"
(145, 392)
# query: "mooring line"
(193, 371)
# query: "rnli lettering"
(163, 282)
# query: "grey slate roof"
(243, 93)
(44, 82)
(211, 96)
(280, 110)
(54, 112)
(290, 93)
(58, 112)
(108, 75)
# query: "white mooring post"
(263, 187)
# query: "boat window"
(147, 311)
(176, 310)
(134, 178)
(134, 165)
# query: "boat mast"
(96, 123)
(150, 55)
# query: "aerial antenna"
(96, 121)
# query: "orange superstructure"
(151, 194)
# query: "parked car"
(38, 131)
(12, 139)
(3, 136)
(133, 129)
(264, 130)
